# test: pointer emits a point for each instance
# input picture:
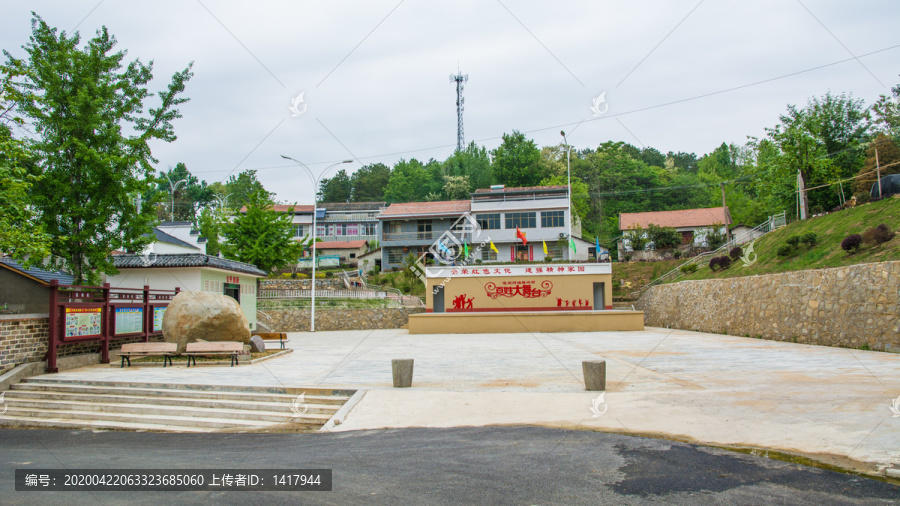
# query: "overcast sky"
(375, 74)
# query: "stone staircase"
(75, 404)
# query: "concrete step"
(102, 405)
(88, 417)
(83, 404)
(113, 396)
(162, 390)
(49, 379)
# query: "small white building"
(178, 258)
(692, 224)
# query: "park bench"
(231, 348)
(164, 350)
(281, 337)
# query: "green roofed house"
(178, 259)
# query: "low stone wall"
(297, 320)
(854, 306)
(24, 338)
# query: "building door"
(233, 290)
(438, 299)
(599, 296)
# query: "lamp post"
(173, 188)
(569, 182)
(315, 182)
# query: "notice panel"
(83, 321)
(158, 313)
(129, 320)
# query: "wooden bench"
(281, 337)
(232, 348)
(164, 350)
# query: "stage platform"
(525, 321)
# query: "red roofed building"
(349, 251)
(693, 224)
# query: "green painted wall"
(212, 280)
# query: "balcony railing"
(422, 236)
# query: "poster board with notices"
(129, 320)
(82, 322)
(158, 314)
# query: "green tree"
(517, 162)
(92, 143)
(409, 182)
(210, 224)
(888, 160)
(887, 113)
(190, 196)
(335, 189)
(472, 162)
(369, 181)
(663, 237)
(240, 187)
(261, 236)
(21, 234)
(456, 187)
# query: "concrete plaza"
(832, 404)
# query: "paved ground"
(830, 403)
(496, 465)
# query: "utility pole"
(460, 80)
(727, 214)
(802, 203)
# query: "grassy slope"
(831, 230)
(639, 274)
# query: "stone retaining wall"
(297, 284)
(297, 320)
(854, 306)
(24, 339)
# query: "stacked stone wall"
(856, 306)
(297, 320)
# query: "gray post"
(594, 374)
(402, 368)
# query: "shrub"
(868, 237)
(735, 253)
(688, 269)
(548, 259)
(851, 243)
(724, 262)
(713, 263)
(785, 250)
(882, 234)
(663, 237)
(793, 240)
(477, 260)
(810, 239)
(817, 209)
(676, 254)
(714, 236)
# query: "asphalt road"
(483, 465)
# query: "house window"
(553, 219)
(554, 250)
(370, 228)
(298, 231)
(395, 255)
(424, 229)
(352, 229)
(489, 221)
(687, 237)
(394, 227)
(320, 229)
(521, 220)
(352, 255)
(487, 254)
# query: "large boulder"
(193, 316)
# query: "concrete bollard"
(594, 374)
(402, 369)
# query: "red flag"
(521, 235)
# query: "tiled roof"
(447, 207)
(342, 244)
(351, 206)
(522, 189)
(283, 208)
(170, 239)
(44, 276)
(683, 218)
(184, 260)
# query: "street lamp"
(569, 179)
(315, 182)
(173, 188)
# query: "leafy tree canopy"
(261, 236)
